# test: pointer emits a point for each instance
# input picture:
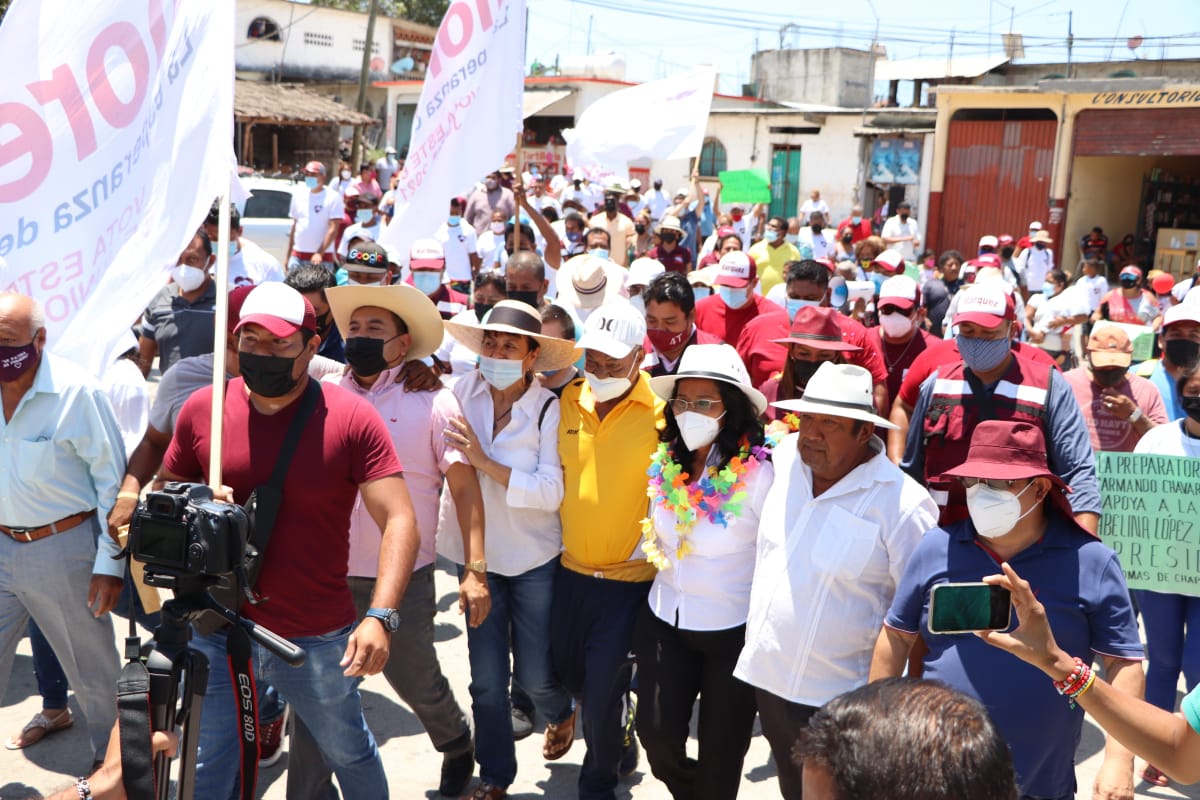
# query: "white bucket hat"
(714, 362)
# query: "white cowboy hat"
(670, 222)
(714, 362)
(420, 315)
(521, 319)
(588, 281)
(839, 390)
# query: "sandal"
(559, 737)
(39, 728)
(1154, 776)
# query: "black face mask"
(1183, 353)
(610, 204)
(365, 355)
(267, 376)
(1191, 407)
(1127, 283)
(529, 298)
(817, 227)
(1108, 376)
(640, 228)
(323, 322)
(669, 238)
(802, 371)
(481, 309)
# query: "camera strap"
(245, 696)
(135, 730)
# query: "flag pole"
(219, 336)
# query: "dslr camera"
(181, 532)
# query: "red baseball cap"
(737, 270)
(237, 298)
(890, 260)
(314, 168)
(279, 308)
(986, 304)
(900, 291)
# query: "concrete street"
(411, 762)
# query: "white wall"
(309, 60)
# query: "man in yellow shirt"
(607, 434)
(772, 253)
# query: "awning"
(893, 131)
(912, 69)
(537, 100)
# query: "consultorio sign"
(1152, 97)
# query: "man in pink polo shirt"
(384, 327)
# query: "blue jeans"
(520, 604)
(1172, 644)
(51, 680)
(319, 693)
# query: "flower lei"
(777, 430)
(718, 497)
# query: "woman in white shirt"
(701, 535)
(1172, 620)
(1051, 314)
(509, 433)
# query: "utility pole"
(1070, 41)
(591, 18)
(364, 76)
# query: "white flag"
(662, 119)
(116, 127)
(468, 117)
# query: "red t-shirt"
(897, 358)
(764, 357)
(725, 323)
(344, 444)
(858, 232)
(946, 352)
(675, 261)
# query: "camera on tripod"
(181, 532)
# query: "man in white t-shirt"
(368, 223)
(902, 233)
(656, 201)
(816, 236)
(315, 216)
(813, 203)
(1034, 263)
(386, 166)
(249, 264)
(1093, 285)
(460, 244)
(540, 199)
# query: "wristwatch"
(1136, 415)
(479, 566)
(390, 618)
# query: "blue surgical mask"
(233, 249)
(312, 181)
(794, 306)
(501, 373)
(427, 281)
(734, 298)
(877, 279)
(856, 220)
(982, 355)
(1048, 289)
(701, 292)
(453, 219)
(364, 215)
(599, 252)
(793, 238)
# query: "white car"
(264, 214)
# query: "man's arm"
(330, 237)
(473, 596)
(553, 255)
(147, 350)
(901, 417)
(291, 240)
(891, 653)
(143, 463)
(388, 503)
(1070, 451)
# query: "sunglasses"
(991, 483)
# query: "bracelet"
(85, 791)
(1136, 415)
(128, 496)
(1077, 683)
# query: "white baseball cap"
(614, 329)
(901, 291)
(427, 254)
(985, 304)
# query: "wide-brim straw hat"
(420, 315)
(520, 319)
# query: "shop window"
(712, 158)
(263, 28)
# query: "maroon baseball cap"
(237, 299)
(817, 327)
(279, 308)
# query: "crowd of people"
(675, 452)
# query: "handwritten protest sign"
(1151, 519)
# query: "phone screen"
(962, 607)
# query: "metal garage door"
(1138, 132)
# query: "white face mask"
(697, 430)
(346, 174)
(993, 512)
(606, 389)
(637, 302)
(895, 325)
(188, 278)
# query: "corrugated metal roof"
(912, 69)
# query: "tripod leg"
(194, 688)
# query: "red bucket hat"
(818, 328)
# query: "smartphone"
(967, 607)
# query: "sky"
(659, 38)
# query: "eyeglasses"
(992, 483)
(703, 406)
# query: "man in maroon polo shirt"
(673, 255)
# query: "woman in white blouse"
(707, 484)
(1172, 620)
(509, 433)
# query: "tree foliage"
(426, 12)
